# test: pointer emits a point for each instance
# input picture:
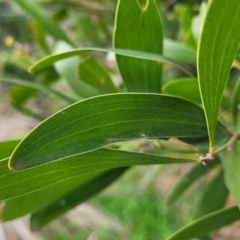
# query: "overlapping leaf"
(49, 60)
(14, 184)
(103, 120)
(141, 22)
(218, 45)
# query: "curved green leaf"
(103, 120)
(74, 198)
(186, 88)
(30, 202)
(213, 197)
(218, 45)
(7, 147)
(39, 87)
(138, 27)
(207, 224)
(13, 184)
(189, 178)
(37, 12)
(48, 61)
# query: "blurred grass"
(136, 205)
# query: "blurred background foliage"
(123, 211)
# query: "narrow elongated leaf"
(231, 166)
(207, 224)
(28, 203)
(138, 27)
(7, 147)
(188, 179)
(68, 69)
(37, 12)
(91, 72)
(49, 60)
(13, 184)
(103, 120)
(40, 87)
(74, 198)
(213, 197)
(186, 88)
(218, 45)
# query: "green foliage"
(168, 116)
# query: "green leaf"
(231, 166)
(49, 60)
(207, 224)
(39, 87)
(213, 197)
(13, 184)
(39, 34)
(218, 45)
(30, 202)
(20, 94)
(37, 12)
(74, 198)
(7, 147)
(188, 179)
(179, 52)
(103, 120)
(91, 72)
(234, 102)
(138, 27)
(68, 69)
(186, 88)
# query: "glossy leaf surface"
(207, 224)
(218, 45)
(141, 22)
(103, 120)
